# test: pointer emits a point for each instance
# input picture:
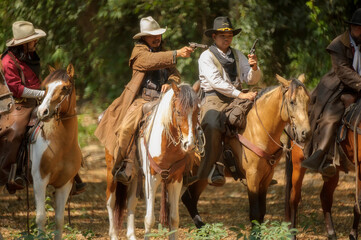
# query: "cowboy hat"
(148, 26)
(24, 32)
(222, 24)
(356, 18)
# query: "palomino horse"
(296, 173)
(54, 151)
(274, 108)
(167, 139)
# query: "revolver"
(195, 45)
(253, 49)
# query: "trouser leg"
(327, 128)
(123, 166)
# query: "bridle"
(67, 96)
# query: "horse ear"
(70, 70)
(282, 80)
(51, 69)
(175, 88)
(302, 78)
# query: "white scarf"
(357, 57)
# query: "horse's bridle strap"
(165, 173)
(258, 151)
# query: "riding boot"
(319, 161)
(123, 168)
(216, 177)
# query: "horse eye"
(292, 102)
(64, 88)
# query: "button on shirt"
(211, 78)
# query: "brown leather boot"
(123, 168)
(216, 177)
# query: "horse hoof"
(198, 221)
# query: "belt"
(218, 94)
(26, 100)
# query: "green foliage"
(162, 233)
(266, 231)
(309, 222)
(85, 131)
(214, 231)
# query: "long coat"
(341, 78)
(141, 61)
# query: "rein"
(57, 107)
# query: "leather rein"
(57, 112)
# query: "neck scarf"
(229, 64)
(357, 57)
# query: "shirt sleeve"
(209, 72)
(248, 75)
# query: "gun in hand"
(195, 45)
(253, 49)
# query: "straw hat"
(148, 26)
(222, 24)
(24, 32)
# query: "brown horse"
(295, 174)
(54, 148)
(274, 108)
(167, 138)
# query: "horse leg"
(132, 202)
(61, 196)
(190, 200)
(151, 185)
(356, 216)
(326, 201)
(174, 191)
(255, 197)
(295, 194)
(113, 229)
(39, 186)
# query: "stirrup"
(121, 177)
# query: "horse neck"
(268, 114)
(161, 136)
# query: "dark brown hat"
(356, 18)
(222, 24)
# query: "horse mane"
(188, 101)
(294, 84)
(59, 74)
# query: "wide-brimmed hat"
(148, 26)
(356, 18)
(24, 32)
(222, 24)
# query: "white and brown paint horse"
(274, 108)
(55, 153)
(168, 137)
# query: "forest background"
(96, 35)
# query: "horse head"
(185, 115)
(295, 110)
(59, 86)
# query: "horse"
(53, 149)
(274, 108)
(166, 146)
(295, 173)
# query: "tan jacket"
(141, 61)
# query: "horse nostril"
(185, 145)
(46, 112)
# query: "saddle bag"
(6, 97)
(236, 112)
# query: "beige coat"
(141, 61)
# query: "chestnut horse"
(296, 173)
(274, 108)
(165, 143)
(54, 150)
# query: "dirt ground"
(228, 205)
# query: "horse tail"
(288, 173)
(120, 203)
(164, 206)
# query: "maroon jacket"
(13, 78)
